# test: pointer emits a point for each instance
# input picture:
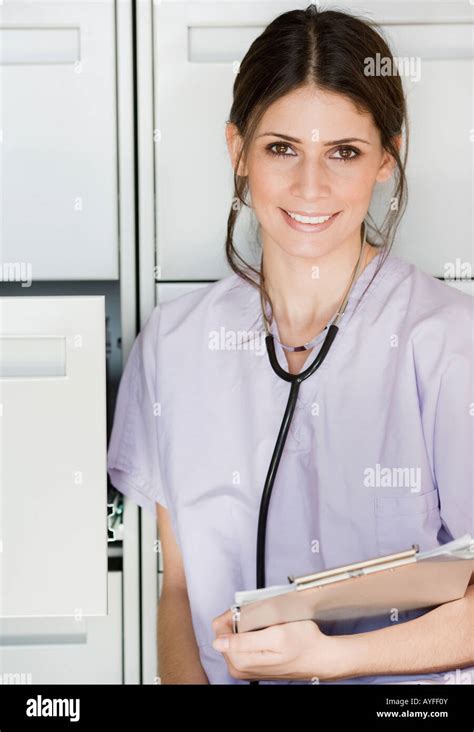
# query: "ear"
(388, 164)
(234, 145)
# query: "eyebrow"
(295, 139)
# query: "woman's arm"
(178, 653)
(440, 639)
(177, 649)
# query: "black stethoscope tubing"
(295, 380)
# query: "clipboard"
(407, 580)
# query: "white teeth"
(309, 219)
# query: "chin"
(306, 249)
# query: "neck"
(305, 293)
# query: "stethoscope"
(295, 380)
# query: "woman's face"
(305, 159)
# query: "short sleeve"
(133, 457)
(454, 443)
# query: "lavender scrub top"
(379, 455)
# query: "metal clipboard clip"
(357, 569)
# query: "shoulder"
(426, 300)
(437, 297)
(196, 302)
(225, 301)
(437, 319)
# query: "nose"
(311, 180)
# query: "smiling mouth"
(310, 219)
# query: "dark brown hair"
(328, 49)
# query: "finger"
(256, 641)
(223, 623)
(255, 662)
(261, 664)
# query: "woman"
(199, 407)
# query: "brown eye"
(277, 148)
(350, 153)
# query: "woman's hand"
(297, 650)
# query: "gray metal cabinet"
(59, 138)
(65, 650)
(53, 480)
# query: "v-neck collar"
(354, 296)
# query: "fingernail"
(220, 644)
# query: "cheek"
(354, 184)
(267, 182)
